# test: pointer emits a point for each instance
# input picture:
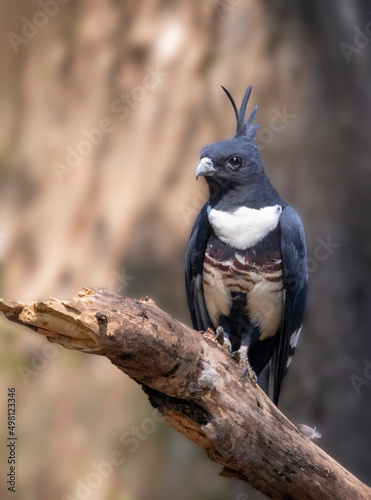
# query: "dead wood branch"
(196, 386)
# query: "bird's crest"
(245, 129)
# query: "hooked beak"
(205, 168)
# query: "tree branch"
(196, 386)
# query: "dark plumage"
(246, 267)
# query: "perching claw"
(223, 338)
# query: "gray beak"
(205, 168)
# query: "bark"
(196, 386)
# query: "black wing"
(193, 271)
(295, 283)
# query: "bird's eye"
(235, 161)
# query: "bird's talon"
(227, 345)
(235, 355)
(223, 339)
(250, 374)
(247, 370)
(219, 335)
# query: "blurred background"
(105, 106)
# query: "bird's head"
(233, 164)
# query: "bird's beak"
(205, 168)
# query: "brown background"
(121, 218)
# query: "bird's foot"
(242, 357)
(247, 369)
(223, 339)
(219, 335)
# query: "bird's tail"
(266, 381)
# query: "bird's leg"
(246, 333)
(245, 364)
(223, 338)
(242, 355)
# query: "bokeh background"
(120, 217)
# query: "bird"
(246, 264)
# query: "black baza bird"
(246, 265)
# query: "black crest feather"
(244, 128)
(232, 101)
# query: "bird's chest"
(251, 276)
